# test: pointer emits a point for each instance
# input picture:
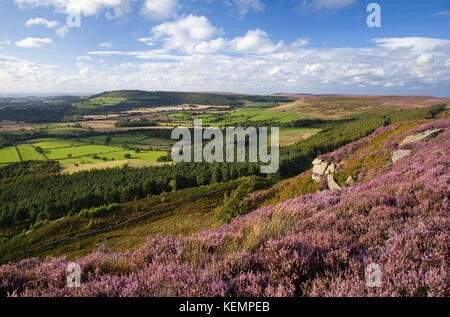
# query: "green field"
(264, 115)
(158, 142)
(116, 139)
(77, 155)
(99, 102)
(59, 129)
(237, 116)
(292, 135)
(80, 160)
(29, 153)
(149, 156)
(259, 112)
(134, 140)
(55, 143)
(74, 168)
(9, 155)
(77, 151)
(65, 131)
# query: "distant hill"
(343, 106)
(168, 98)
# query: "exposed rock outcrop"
(332, 185)
(330, 169)
(350, 182)
(397, 155)
(322, 168)
(317, 161)
(319, 169)
(424, 136)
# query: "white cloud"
(379, 69)
(29, 76)
(160, 9)
(443, 13)
(33, 42)
(147, 40)
(245, 6)
(255, 41)
(85, 7)
(42, 21)
(106, 44)
(185, 33)
(424, 59)
(413, 43)
(119, 11)
(84, 58)
(212, 46)
(62, 31)
(300, 42)
(328, 5)
(251, 63)
(196, 35)
(154, 54)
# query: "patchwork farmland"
(88, 153)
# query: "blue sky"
(248, 46)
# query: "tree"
(127, 156)
(21, 214)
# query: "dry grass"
(9, 126)
(339, 107)
(72, 168)
(290, 136)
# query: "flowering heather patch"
(371, 156)
(313, 245)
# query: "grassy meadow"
(9, 155)
(290, 136)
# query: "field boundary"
(18, 152)
(43, 154)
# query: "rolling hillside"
(129, 99)
(338, 107)
(309, 244)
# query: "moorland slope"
(338, 107)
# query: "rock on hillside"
(322, 168)
(398, 155)
(424, 136)
(332, 185)
(362, 154)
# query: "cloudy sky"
(247, 46)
